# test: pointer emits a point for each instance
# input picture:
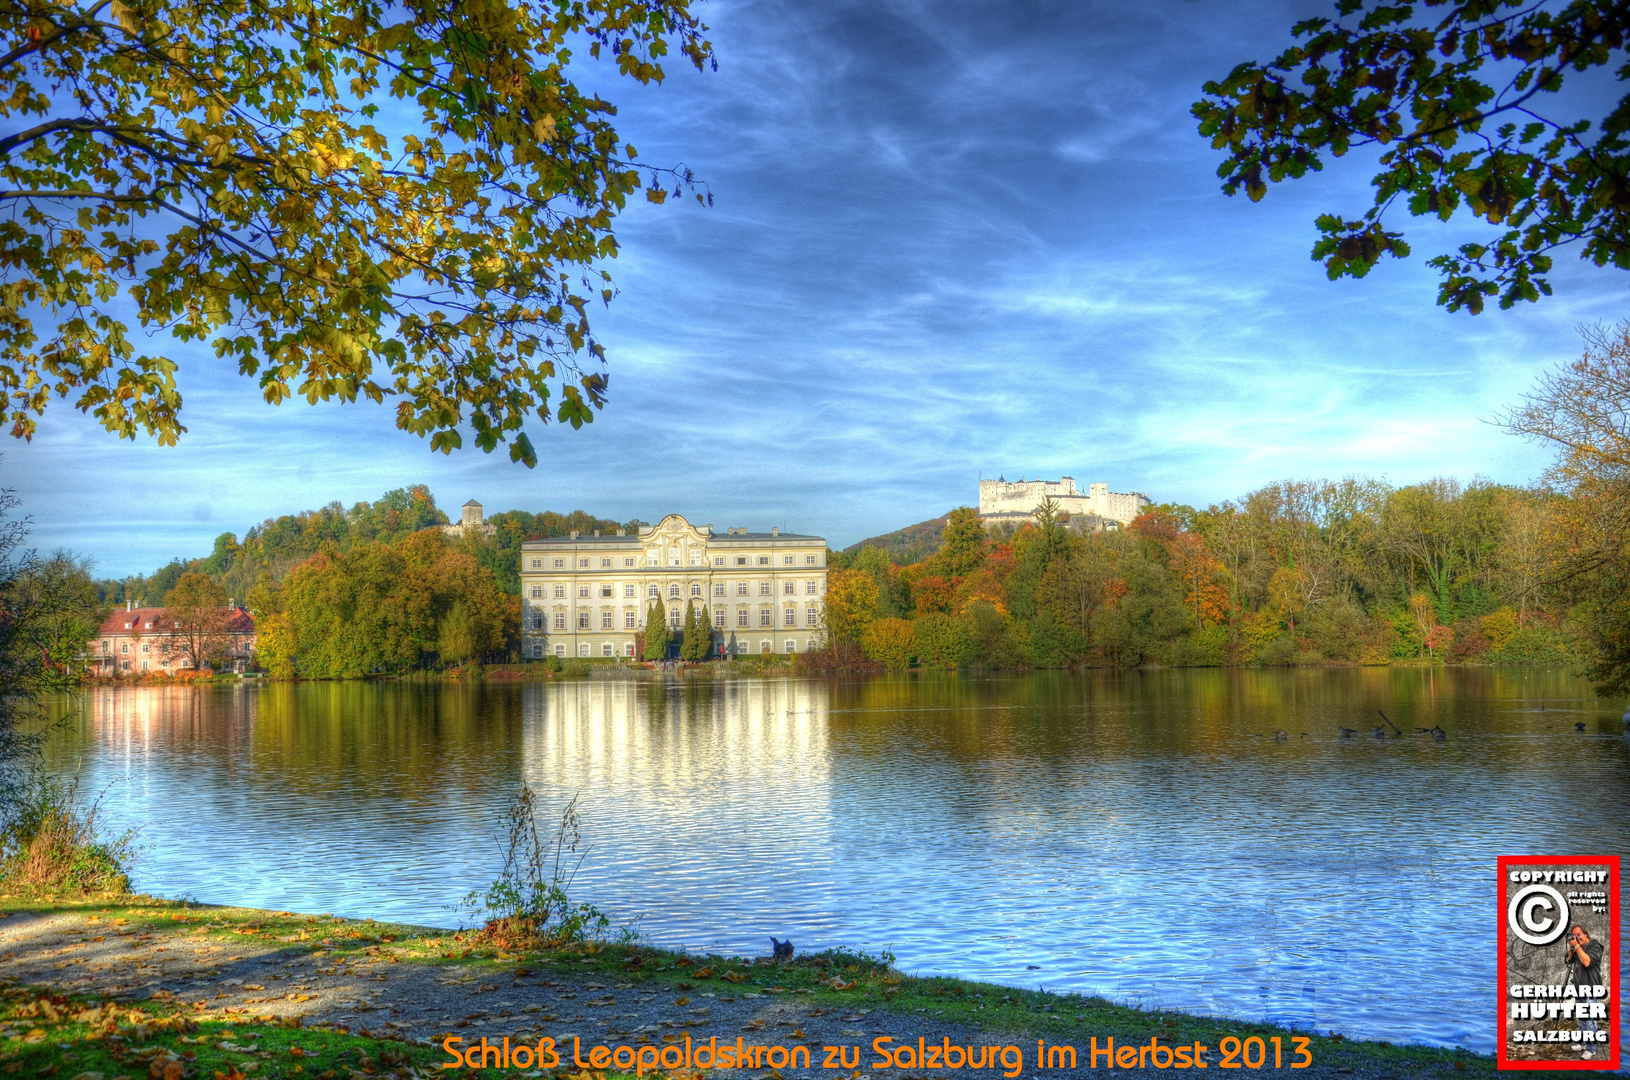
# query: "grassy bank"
(47, 1033)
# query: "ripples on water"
(1139, 836)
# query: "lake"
(1137, 835)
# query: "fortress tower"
(1004, 500)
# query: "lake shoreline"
(777, 667)
(436, 975)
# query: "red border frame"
(1614, 1021)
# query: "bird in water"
(1280, 736)
(1380, 732)
(1580, 726)
(1348, 732)
(1438, 732)
(781, 950)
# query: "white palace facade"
(587, 595)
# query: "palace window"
(583, 649)
(786, 560)
(718, 560)
(675, 621)
(741, 618)
(582, 620)
(696, 558)
(764, 588)
(605, 620)
(673, 591)
(605, 564)
(560, 592)
(124, 648)
(630, 591)
(582, 592)
(560, 650)
(560, 620)
(792, 646)
(583, 564)
(628, 560)
(652, 591)
(809, 587)
(741, 560)
(537, 592)
(607, 590)
(628, 648)
(628, 620)
(145, 647)
(537, 652)
(718, 588)
(537, 564)
(812, 617)
(673, 556)
(790, 617)
(741, 588)
(605, 649)
(559, 563)
(537, 620)
(718, 618)
(764, 560)
(766, 617)
(789, 588)
(809, 560)
(696, 588)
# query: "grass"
(54, 843)
(49, 1035)
(835, 980)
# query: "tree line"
(1352, 570)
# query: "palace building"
(585, 596)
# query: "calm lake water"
(1139, 835)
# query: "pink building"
(137, 640)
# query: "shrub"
(1207, 647)
(940, 641)
(1470, 644)
(52, 843)
(1532, 645)
(833, 657)
(1499, 627)
(1279, 651)
(1407, 635)
(890, 642)
(1053, 643)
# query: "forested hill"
(268, 551)
(914, 543)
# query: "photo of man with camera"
(1584, 959)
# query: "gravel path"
(376, 993)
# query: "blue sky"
(948, 238)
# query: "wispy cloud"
(948, 238)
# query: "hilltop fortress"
(1015, 501)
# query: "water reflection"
(1140, 835)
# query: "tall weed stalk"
(529, 904)
(51, 842)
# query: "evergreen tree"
(656, 632)
(698, 644)
(688, 645)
